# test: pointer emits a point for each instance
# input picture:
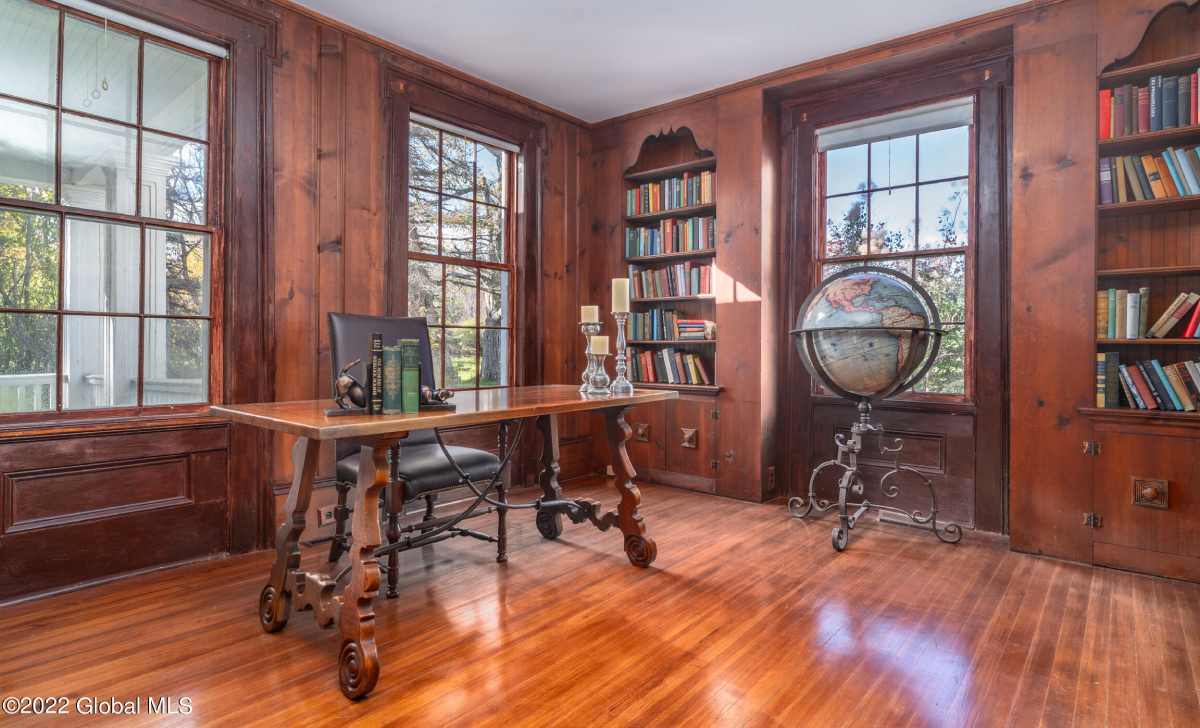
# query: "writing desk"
(358, 659)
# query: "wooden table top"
(308, 418)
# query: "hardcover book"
(392, 402)
(410, 375)
(375, 376)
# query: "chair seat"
(423, 468)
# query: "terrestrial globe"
(868, 333)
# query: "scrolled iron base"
(851, 483)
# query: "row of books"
(672, 236)
(1147, 385)
(394, 377)
(1165, 102)
(1173, 172)
(1122, 314)
(693, 188)
(688, 278)
(666, 325)
(667, 366)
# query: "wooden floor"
(747, 618)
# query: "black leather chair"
(419, 467)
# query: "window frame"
(969, 251)
(214, 144)
(511, 196)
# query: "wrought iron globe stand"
(851, 481)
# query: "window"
(106, 234)
(460, 271)
(897, 193)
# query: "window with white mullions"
(460, 271)
(105, 231)
(896, 192)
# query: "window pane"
(489, 233)
(893, 220)
(460, 296)
(946, 374)
(173, 179)
(460, 358)
(27, 145)
(944, 214)
(177, 281)
(175, 91)
(425, 290)
(456, 228)
(176, 365)
(100, 362)
(493, 297)
(422, 222)
(944, 276)
(102, 262)
(945, 153)
(846, 170)
(846, 226)
(27, 347)
(435, 344)
(422, 156)
(28, 261)
(98, 165)
(458, 165)
(493, 357)
(894, 162)
(100, 70)
(28, 50)
(489, 174)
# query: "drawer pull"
(1150, 492)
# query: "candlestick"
(620, 295)
(621, 385)
(589, 314)
(598, 386)
(599, 345)
(589, 329)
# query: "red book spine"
(1143, 388)
(1190, 331)
(1195, 78)
(1106, 113)
(1143, 110)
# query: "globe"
(868, 332)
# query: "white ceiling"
(596, 59)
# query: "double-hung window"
(106, 226)
(460, 261)
(897, 193)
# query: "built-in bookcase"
(1149, 243)
(683, 246)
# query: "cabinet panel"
(647, 446)
(691, 436)
(1145, 491)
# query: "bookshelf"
(667, 208)
(1147, 243)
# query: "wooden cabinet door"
(647, 444)
(691, 436)
(1144, 492)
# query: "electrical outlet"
(324, 515)
(770, 478)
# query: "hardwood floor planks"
(747, 618)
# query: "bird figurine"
(350, 392)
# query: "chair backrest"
(350, 339)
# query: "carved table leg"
(358, 660)
(549, 524)
(640, 549)
(275, 601)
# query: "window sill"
(70, 423)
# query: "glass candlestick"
(621, 385)
(589, 329)
(598, 384)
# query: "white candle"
(599, 345)
(589, 314)
(620, 295)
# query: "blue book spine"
(1162, 375)
(1156, 103)
(1112, 313)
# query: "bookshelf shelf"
(669, 299)
(691, 211)
(672, 170)
(1149, 206)
(710, 389)
(1148, 342)
(669, 257)
(1149, 140)
(1185, 418)
(1166, 66)
(1164, 270)
(672, 342)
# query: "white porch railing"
(26, 392)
